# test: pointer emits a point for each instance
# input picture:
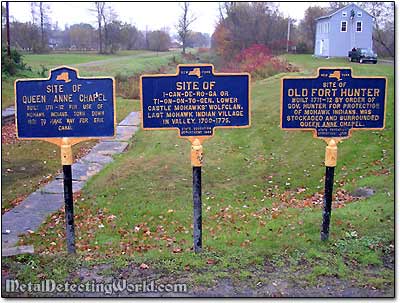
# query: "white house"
(340, 31)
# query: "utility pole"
(288, 36)
(8, 31)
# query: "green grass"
(7, 87)
(26, 164)
(124, 63)
(56, 59)
(245, 173)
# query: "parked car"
(363, 55)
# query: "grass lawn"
(56, 59)
(257, 188)
(124, 63)
(7, 87)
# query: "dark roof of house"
(333, 12)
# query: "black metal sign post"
(195, 101)
(93, 98)
(197, 160)
(335, 116)
(197, 210)
(330, 163)
(66, 161)
(69, 209)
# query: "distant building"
(340, 31)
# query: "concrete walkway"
(8, 114)
(32, 212)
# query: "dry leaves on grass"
(8, 134)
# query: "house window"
(344, 14)
(359, 26)
(343, 26)
(326, 27)
(359, 14)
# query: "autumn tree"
(183, 26)
(243, 24)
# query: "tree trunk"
(8, 31)
(42, 24)
(100, 42)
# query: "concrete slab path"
(32, 212)
(8, 115)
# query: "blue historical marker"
(65, 109)
(333, 103)
(65, 106)
(195, 100)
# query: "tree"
(105, 15)
(335, 5)
(8, 30)
(197, 39)
(243, 24)
(114, 36)
(41, 10)
(159, 40)
(25, 35)
(183, 26)
(383, 35)
(3, 24)
(308, 26)
(99, 10)
(131, 38)
(82, 36)
(111, 24)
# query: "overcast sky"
(154, 15)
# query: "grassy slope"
(124, 63)
(244, 223)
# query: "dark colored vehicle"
(363, 55)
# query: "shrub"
(11, 65)
(259, 62)
(202, 50)
(303, 48)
